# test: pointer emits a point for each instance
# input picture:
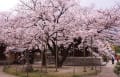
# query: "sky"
(6, 5)
(99, 4)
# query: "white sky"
(6, 5)
(99, 4)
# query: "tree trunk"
(43, 58)
(28, 68)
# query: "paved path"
(107, 71)
(2, 74)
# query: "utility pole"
(91, 52)
(73, 57)
(46, 56)
(84, 54)
(56, 55)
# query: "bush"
(117, 68)
(118, 63)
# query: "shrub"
(117, 68)
(118, 63)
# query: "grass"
(63, 72)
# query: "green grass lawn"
(62, 72)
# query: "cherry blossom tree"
(49, 22)
(59, 26)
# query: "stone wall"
(79, 61)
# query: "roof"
(17, 49)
